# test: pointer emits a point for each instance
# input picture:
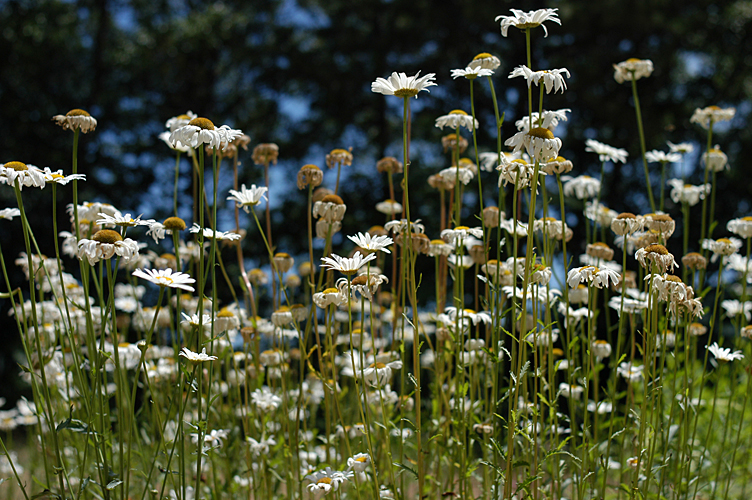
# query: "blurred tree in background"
(298, 73)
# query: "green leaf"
(405, 468)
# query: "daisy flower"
(202, 131)
(525, 20)
(76, 119)
(456, 119)
(656, 156)
(606, 152)
(120, 220)
(724, 355)
(472, 72)
(58, 177)
(166, 278)
(722, 246)
(346, 265)
(485, 60)
(632, 69)
(195, 357)
(550, 119)
(401, 85)
(359, 462)
(741, 227)
(539, 143)
(220, 235)
(451, 174)
(715, 159)
(552, 79)
(582, 187)
(26, 175)
(378, 374)
(371, 243)
(9, 213)
(687, 193)
(105, 244)
(681, 148)
(248, 197)
(712, 114)
(389, 207)
(658, 255)
(458, 234)
(176, 122)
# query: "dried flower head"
(265, 154)
(310, 175)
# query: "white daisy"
(401, 85)
(724, 355)
(632, 69)
(456, 119)
(712, 114)
(166, 278)
(76, 119)
(248, 197)
(656, 156)
(485, 60)
(372, 243)
(539, 143)
(202, 131)
(196, 358)
(524, 20)
(472, 72)
(606, 152)
(346, 265)
(552, 79)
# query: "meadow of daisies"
(516, 369)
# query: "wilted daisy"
(711, 115)
(452, 174)
(456, 119)
(331, 208)
(76, 119)
(26, 175)
(401, 85)
(656, 255)
(527, 20)
(472, 72)
(632, 69)
(539, 143)
(485, 60)
(371, 243)
(553, 79)
(246, 197)
(202, 131)
(346, 265)
(687, 193)
(724, 355)
(166, 278)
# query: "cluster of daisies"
(330, 370)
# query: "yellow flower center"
(225, 313)
(332, 198)
(656, 248)
(77, 112)
(541, 133)
(482, 55)
(457, 112)
(378, 366)
(203, 123)
(324, 480)
(174, 224)
(330, 290)
(406, 92)
(16, 165)
(107, 236)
